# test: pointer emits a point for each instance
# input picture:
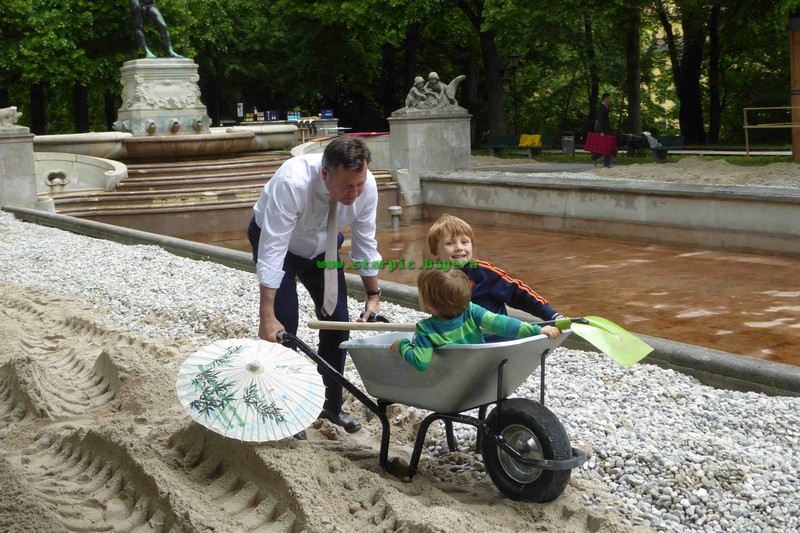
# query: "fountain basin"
(193, 145)
(63, 172)
(270, 137)
(105, 144)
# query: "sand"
(702, 172)
(92, 437)
(691, 169)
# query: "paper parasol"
(251, 390)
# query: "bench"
(532, 142)
(499, 143)
(670, 141)
(634, 144)
(660, 154)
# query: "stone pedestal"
(17, 168)
(430, 139)
(427, 140)
(161, 97)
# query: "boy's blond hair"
(446, 292)
(447, 225)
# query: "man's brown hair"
(345, 151)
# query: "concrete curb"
(711, 367)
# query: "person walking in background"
(293, 232)
(603, 125)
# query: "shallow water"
(744, 304)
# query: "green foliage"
(358, 57)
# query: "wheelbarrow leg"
(420, 442)
(451, 439)
(478, 432)
(423, 431)
(384, 456)
(327, 370)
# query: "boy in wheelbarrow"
(445, 294)
(450, 240)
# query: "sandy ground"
(687, 170)
(92, 438)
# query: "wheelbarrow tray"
(460, 377)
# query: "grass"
(641, 157)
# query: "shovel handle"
(562, 323)
(363, 326)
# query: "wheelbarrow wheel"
(536, 433)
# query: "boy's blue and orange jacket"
(493, 289)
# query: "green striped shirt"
(463, 329)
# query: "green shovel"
(623, 347)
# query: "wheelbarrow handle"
(362, 326)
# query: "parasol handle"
(363, 326)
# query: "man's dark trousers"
(287, 309)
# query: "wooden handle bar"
(365, 326)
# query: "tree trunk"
(389, 99)
(110, 110)
(491, 66)
(210, 94)
(38, 121)
(690, 96)
(567, 99)
(714, 101)
(467, 94)
(494, 84)
(633, 77)
(4, 98)
(410, 45)
(81, 107)
(686, 70)
(794, 81)
(594, 75)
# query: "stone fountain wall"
(17, 172)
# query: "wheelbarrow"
(526, 450)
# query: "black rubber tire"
(526, 419)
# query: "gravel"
(676, 455)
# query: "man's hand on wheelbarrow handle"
(373, 317)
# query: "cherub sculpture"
(417, 93)
(9, 117)
(433, 94)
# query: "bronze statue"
(141, 9)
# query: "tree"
(687, 63)
(61, 60)
(474, 11)
(633, 53)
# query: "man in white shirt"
(288, 235)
